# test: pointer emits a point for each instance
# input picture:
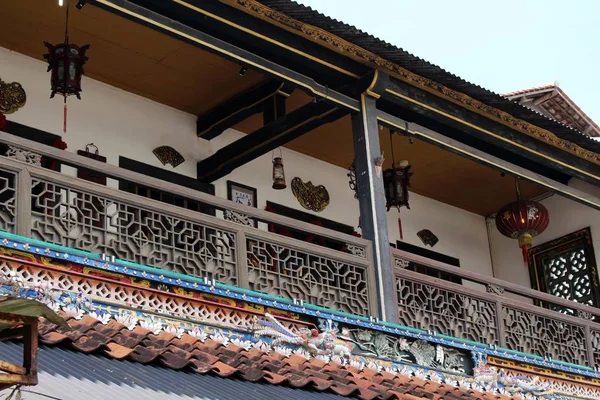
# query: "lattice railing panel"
(595, 340)
(73, 218)
(430, 307)
(536, 334)
(8, 201)
(316, 279)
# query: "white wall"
(121, 123)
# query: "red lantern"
(522, 220)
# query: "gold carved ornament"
(311, 197)
(342, 46)
(12, 97)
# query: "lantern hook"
(518, 189)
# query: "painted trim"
(265, 38)
(487, 132)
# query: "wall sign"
(241, 194)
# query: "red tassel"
(65, 120)
(400, 229)
(525, 255)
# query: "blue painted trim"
(199, 284)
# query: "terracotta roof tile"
(212, 357)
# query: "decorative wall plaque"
(168, 155)
(311, 197)
(12, 97)
(427, 237)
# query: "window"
(566, 268)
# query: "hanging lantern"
(522, 220)
(278, 173)
(396, 181)
(66, 61)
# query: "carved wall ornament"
(340, 45)
(29, 157)
(311, 197)
(168, 155)
(427, 237)
(12, 97)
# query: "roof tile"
(141, 345)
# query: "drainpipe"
(489, 221)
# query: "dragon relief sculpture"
(315, 342)
(495, 378)
(328, 340)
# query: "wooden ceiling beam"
(268, 138)
(236, 109)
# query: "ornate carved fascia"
(327, 39)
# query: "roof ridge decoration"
(321, 36)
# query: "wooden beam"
(474, 154)
(236, 109)
(267, 138)
(274, 106)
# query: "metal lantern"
(522, 220)
(278, 173)
(66, 62)
(396, 181)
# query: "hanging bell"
(278, 173)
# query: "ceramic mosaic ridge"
(296, 306)
(269, 336)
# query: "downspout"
(489, 220)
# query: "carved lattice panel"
(316, 279)
(73, 218)
(544, 336)
(567, 276)
(434, 308)
(595, 339)
(8, 201)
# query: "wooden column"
(371, 195)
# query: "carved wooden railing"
(60, 209)
(488, 310)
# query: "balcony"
(60, 209)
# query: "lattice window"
(566, 268)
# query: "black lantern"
(66, 62)
(396, 181)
